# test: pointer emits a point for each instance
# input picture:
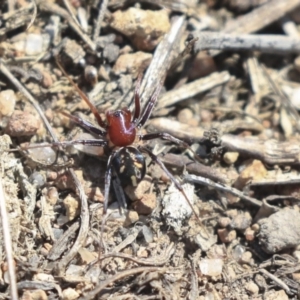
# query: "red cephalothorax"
(120, 129)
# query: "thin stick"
(193, 88)
(92, 294)
(278, 281)
(33, 16)
(7, 244)
(55, 9)
(100, 18)
(261, 17)
(11, 5)
(69, 9)
(162, 59)
(84, 226)
(278, 44)
(222, 187)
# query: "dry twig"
(260, 17)
(8, 244)
(84, 226)
(269, 151)
(151, 261)
(274, 44)
(118, 276)
(70, 10)
(33, 16)
(193, 88)
(222, 187)
(278, 281)
(162, 59)
(100, 18)
(56, 9)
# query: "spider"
(118, 134)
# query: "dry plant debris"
(229, 72)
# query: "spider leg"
(169, 137)
(156, 160)
(83, 96)
(137, 100)
(119, 192)
(149, 107)
(93, 142)
(107, 181)
(84, 124)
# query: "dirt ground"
(215, 213)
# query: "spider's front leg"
(85, 124)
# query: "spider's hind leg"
(156, 160)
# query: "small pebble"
(148, 234)
(7, 104)
(296, 254)
(46, 155)
(241, 221)
(237, 252)
(43, 277)
(146, 205)
(295, 98)
(246, 257)
(211, 267)
(252, 288)
(111, 53)
(206, 115)
(249, 234)
(47, 80)
(22, 124)
(64, 182)
(34, 44)
(86, 256)
(203, 65)
(137, 193)
(255, 227)
(52, 195)
(72, 207)
(230, 157)
(276, 295)
(34, 295)
(280, 231)
(132, 63)
(297, 63)
(145, 28)
(175, 207)
(37, 179)
(254, 170)
(217, 251)
(131, 217)
(224, 221)
(70, 294)
(94, 194)
(185, 115)
(226, 236)
(296, 277)
(74, 51)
